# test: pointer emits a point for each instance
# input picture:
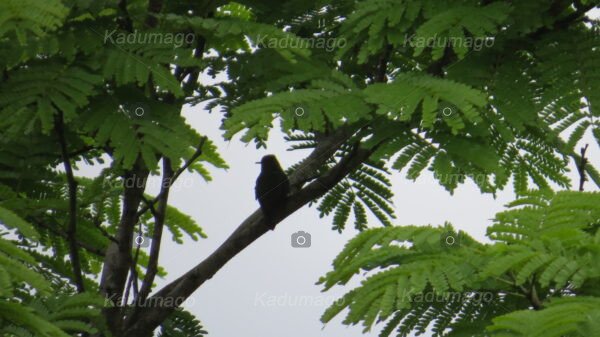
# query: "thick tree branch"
(72, 188)
(326, 147)
(251, 229)
(118, 259)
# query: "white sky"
(236, 301)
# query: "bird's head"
(269, 162)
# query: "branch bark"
(148, 318)
(124, 19)
(581, 167)
(326, 147)
(154, 7)
(174, 177)
(118, 255)
(159, 221)
(72, 188)
(564, 22)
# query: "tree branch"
(589, 169)
(124, 19)
(326, 147)
(581, 167)
(81, 151)
(72, 188)
(96, 221)
(565, 22)
(530, 294)
(381, 72)
(118, 258)
(194, 72)
(154, 7)
(251, 229)
(534, 299)
(132, 281)
(173, 179)
(159, 221)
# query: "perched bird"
(272, 188)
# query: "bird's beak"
(257, 162)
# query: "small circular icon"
(139, 111)
(450, 240)
(139, 240)
(299, 111)
(447, 111)
(301, 239)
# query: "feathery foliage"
(495, 92)
(182, 324)
(543, 256)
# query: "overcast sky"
(269, 289)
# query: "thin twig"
(133, 276)
(159, 221)
(176, 175)
(81, 151)
(103, 231)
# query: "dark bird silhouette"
(272, 188)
